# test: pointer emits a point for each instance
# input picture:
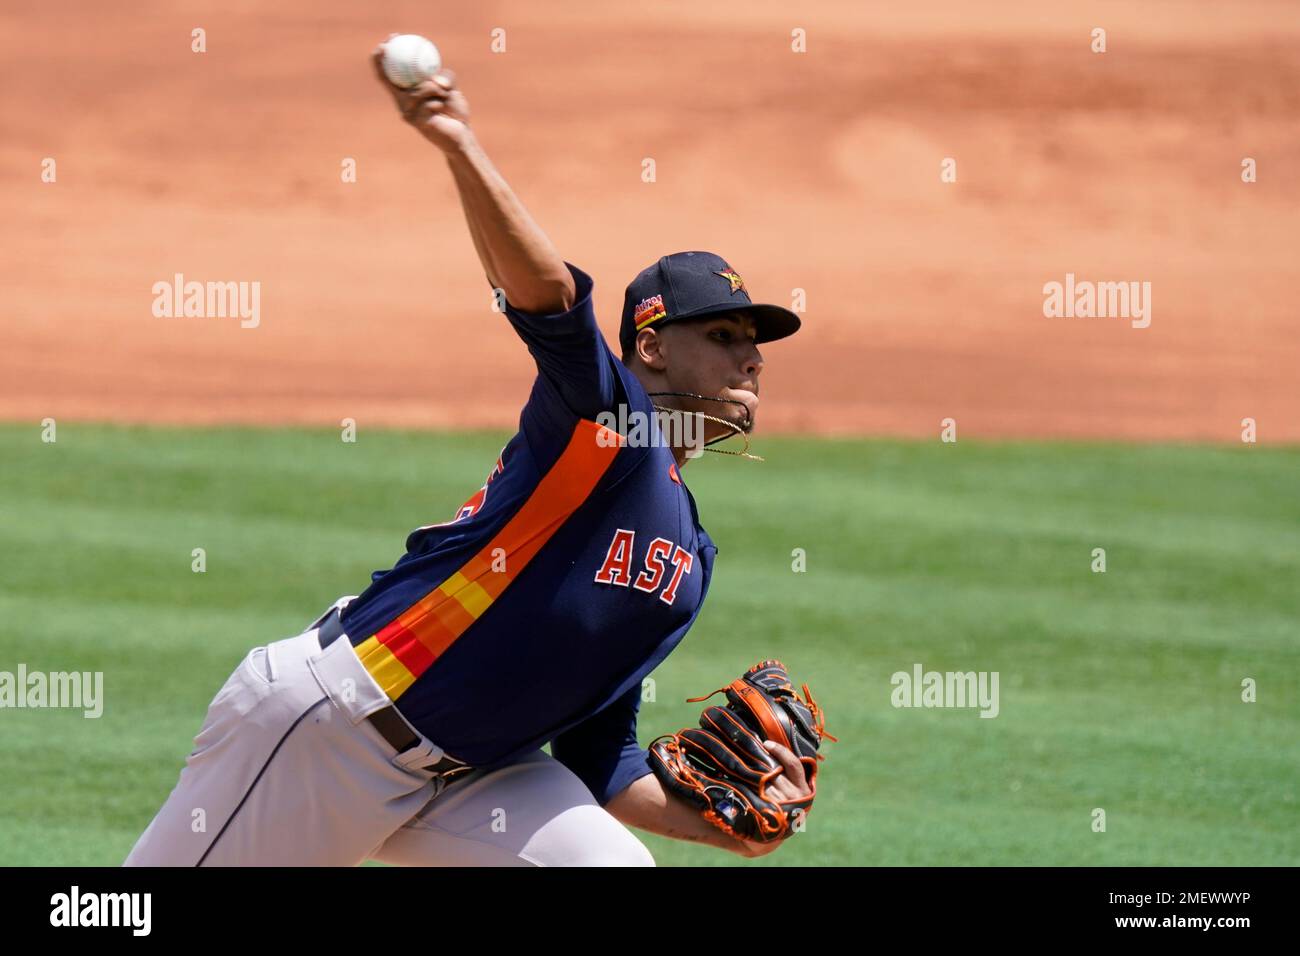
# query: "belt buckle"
(458, 766)
(446, 775)
(417, 757)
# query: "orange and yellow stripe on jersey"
(406, 647)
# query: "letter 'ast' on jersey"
(534, 614)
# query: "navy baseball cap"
(691, 285)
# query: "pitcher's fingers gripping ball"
(424, 91)
(724, 769)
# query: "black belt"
(390, 724)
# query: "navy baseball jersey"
(534, 614)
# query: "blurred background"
(816, 171)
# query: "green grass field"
(1119, 690)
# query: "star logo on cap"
(732, 276)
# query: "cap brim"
(771, 322)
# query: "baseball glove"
(723, 768)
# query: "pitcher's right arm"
(517, 256)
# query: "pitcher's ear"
(649, 348)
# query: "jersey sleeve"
(570, 352)
(602, 750)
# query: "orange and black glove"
(723, 768)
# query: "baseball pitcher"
(406, 723)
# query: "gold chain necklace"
(736, 429)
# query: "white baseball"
(409, 60)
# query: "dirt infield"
(817, 171)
